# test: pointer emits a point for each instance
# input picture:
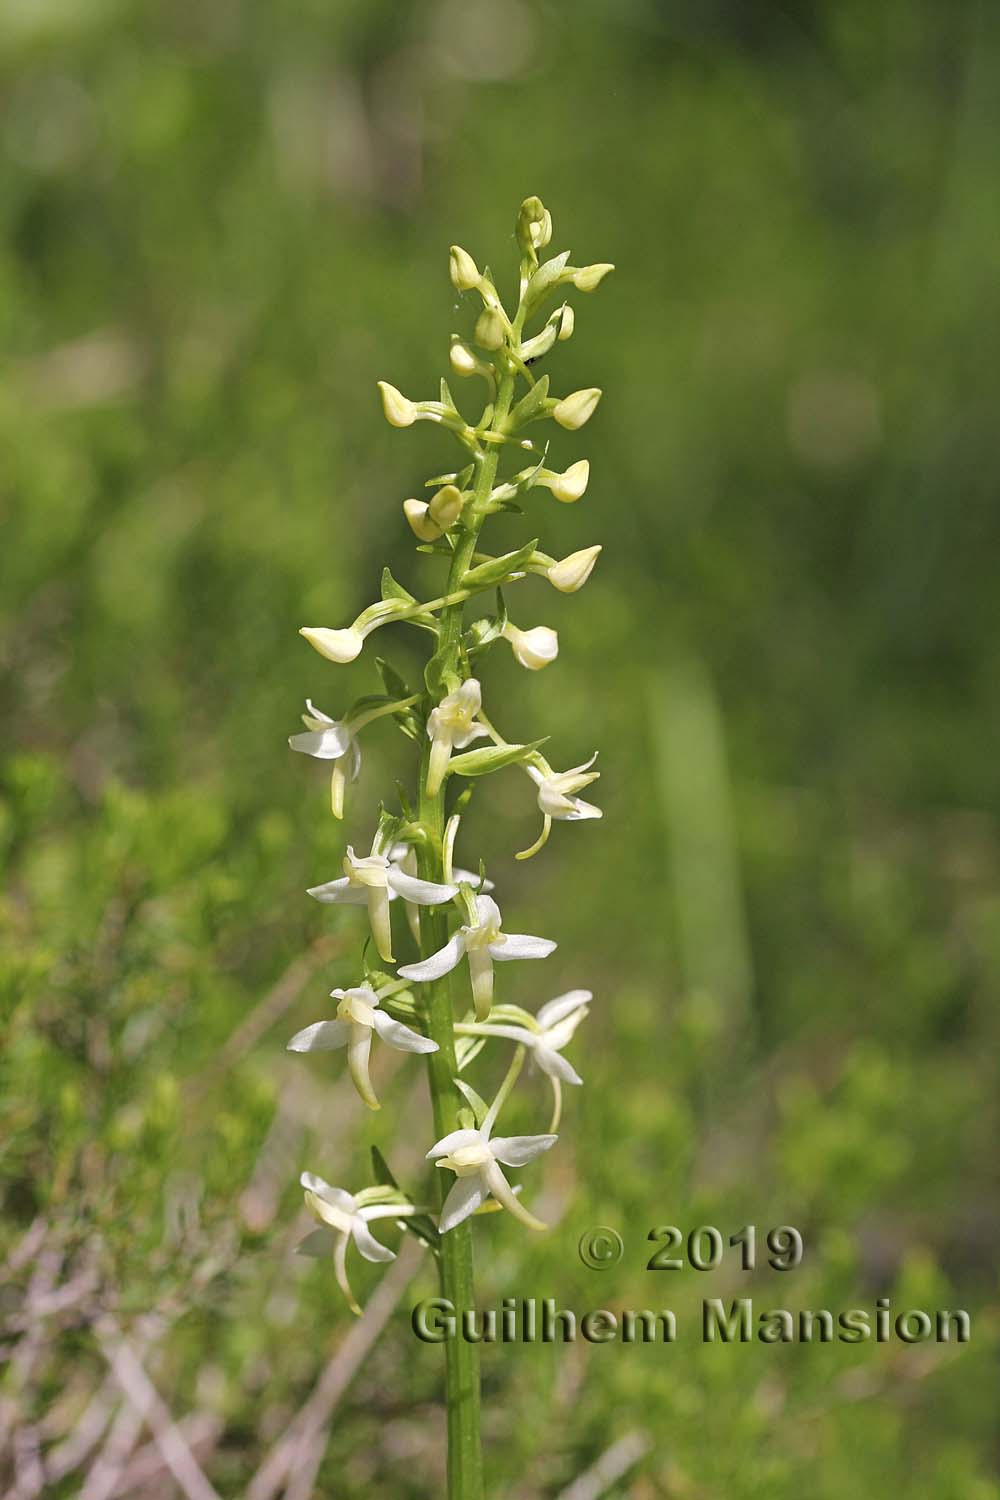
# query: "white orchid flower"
(484, 944)
(451, 726)
(534, 648)
(557, 797)
(373, 879)
(330, 739)
(544, 1035)
(337, 740)
(358, 1016)
(475, 1159)
(348, 1217)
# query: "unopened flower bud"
(462, 269)
(576, 409)
(571, 483)
(534, 225)
(572, 573)
(335, 645)
(590, 277)
(399, 412)
(567, 322)
(463, 360)
(416, 512)
(445, 507)
(490, 329)
(535, 648)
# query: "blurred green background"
(221, 224)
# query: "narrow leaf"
(498, 569)
(393, 590)
(380, 1170)
(393, 683)
(480, 1108)
(491, 758)
(530, 405)
(424, 1228)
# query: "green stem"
(465, 1459)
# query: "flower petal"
(552, 1062)
(321, 1036)
(465, 737)
(504, 1193)
(317, 713)
(341, 891)
(340, 1271)
(400, 1036)
(452, 1142)
(465, 1197)
(521, 945)
(422, 892)
(370, 1247)
(325, 744)
(517, 1150)
(358, 1053)
(563, 1005)
(440, 963)
(467, 877)
(335, 1195)
(581, 811)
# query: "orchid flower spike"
(475, 1160)
(535, 648)
(557, 797)
(544, 1035)
(328, 739)
(484, 944)
(373, 880)
(451, 726)
(345, 1217)
(358, 1016)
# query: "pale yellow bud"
(490, 329)
(571, 484)
(462, 269)
(567, 322)
(463, 361)
(589, 277)
(399, 412)
(446, 506)
(572, 573)
(335, 645)
(416, 512)
(576, 409)
(535, 648)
